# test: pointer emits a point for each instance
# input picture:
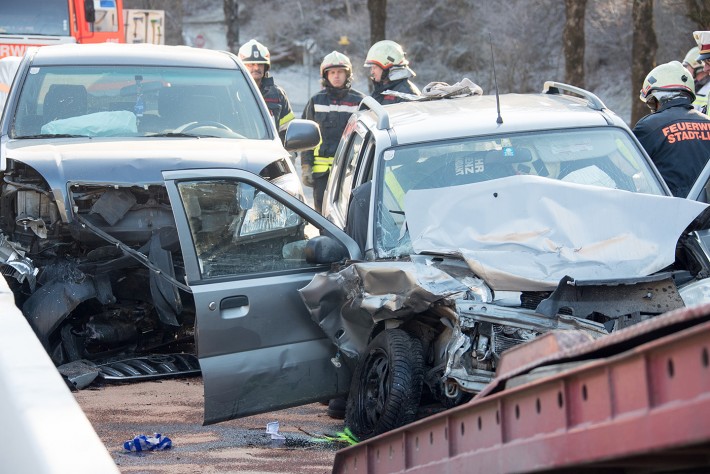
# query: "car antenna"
(499, 120)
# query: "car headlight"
(478, 290)
(267, 214)
(696, 293)
(290, 183)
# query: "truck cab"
(46, 22)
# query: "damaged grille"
(150, 367)
(505, 337)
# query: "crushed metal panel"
(535, 231)
(651, 295)
(615, 342)
(346, 304)
(79, 373)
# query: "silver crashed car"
(87, 233)
(486, 226)
(480, 235)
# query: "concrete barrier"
(44, 430)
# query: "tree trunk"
(699, 13)
(231, 19)
(643, 54)
(378, 19)
(573, 39)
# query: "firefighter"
(675, 135)
(701, 78)
(257, 59)
(330, 108)
(389, 70)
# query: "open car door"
(244, 243)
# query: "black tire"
(387, 385)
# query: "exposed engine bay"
(86, 295)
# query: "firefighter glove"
(307, 175)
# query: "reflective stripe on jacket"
(322, 164)
(330, 108)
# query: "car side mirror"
(302, 135)
(324, 249)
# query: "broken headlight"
(695, 293)
(477, 289)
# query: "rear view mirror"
(89, 11)
(508, 155)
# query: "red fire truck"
(43, 22)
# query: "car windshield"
(35, 17)
(131, 101)
(598, 157)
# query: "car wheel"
(387, 384)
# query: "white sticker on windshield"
(34, 70)
(388, 155)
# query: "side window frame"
(291, 256)
(346, 167)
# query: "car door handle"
(234, 302)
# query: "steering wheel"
(204, 123)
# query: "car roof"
(131, 54)
(418, 121)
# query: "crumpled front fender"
(53, 302)
(349, 303)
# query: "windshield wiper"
(178, 134)
(53, 135)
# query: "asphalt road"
(174, 408)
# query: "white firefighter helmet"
(691, 59)
(333, 60)
(386, 54)
(668, 77)
(253, 52)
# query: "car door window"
(238, 229)
(346, 178)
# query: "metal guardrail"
(640, 400)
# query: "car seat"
(63, 101)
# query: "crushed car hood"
(137, 161)
(134, 162)
(526, 233)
